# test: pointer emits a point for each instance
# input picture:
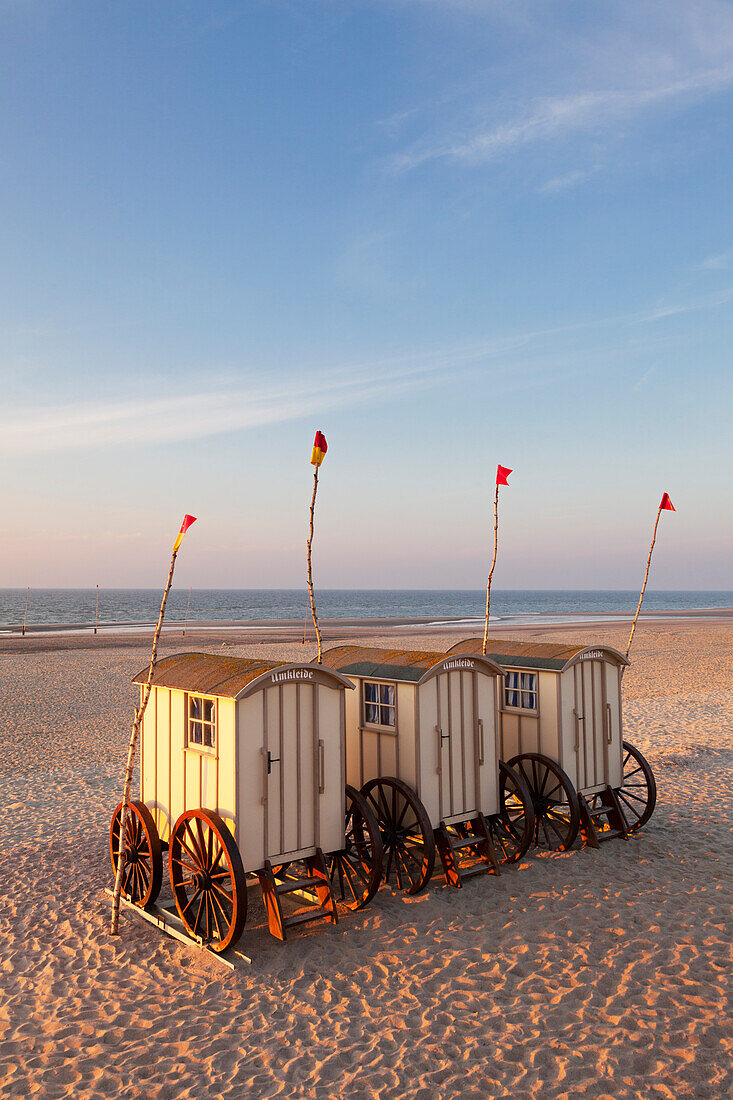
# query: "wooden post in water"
(317, 455)
(132, 747)
(665, 505)
(502, 475)
(25, 613)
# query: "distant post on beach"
(25, 613)
(317, 455)
(96, 612)
(502, 478)
(137, 722)
(665, 505)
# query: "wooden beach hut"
(242, 770)
(422, 747)
(560, 725)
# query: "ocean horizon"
(75, 607)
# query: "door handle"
(441, 738)
(271, 760)
(609, 733)
(578, 720)
(480, 741)
(321, 767)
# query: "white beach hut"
(242, 770)
(422, 746)
(560, 725)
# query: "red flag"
(502, 473)
(667, 503)
(319, 449)
(187, 521)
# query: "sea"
(75, 608)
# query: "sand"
(602, 973)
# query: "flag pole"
(502, 475)
(310, 568)
(96, 612)
(665, 505)
(137, 722)
(317, 455)
(25, 613)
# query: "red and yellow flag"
(187, 521)
(667, 503)
(319, 449)
(502, 473)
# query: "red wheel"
(356, 871)
(208, 878)
(143, 859)
(637, 794)
(512, 828)
(554, 799)
(407, 835)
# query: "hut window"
(520, 690)
(380, 704)
(201, 722)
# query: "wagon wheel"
(208, 879)
(407, 835)
(638, 791)
(555, 803)
(512, 828)
(356, 871)
(143, 867)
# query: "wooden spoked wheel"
(356, 871)
(554, 800)
(208, 878)
(512, 828)
(142, 854)
(407, 835)
(637, 794)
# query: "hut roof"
(384, 664)
(546, 655)
(206, 673)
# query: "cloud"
(649, 57)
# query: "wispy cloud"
(667, 55)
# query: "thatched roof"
(545, 655)
(230, 677)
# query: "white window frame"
(212, 724)
(392, 706)
(522, 691)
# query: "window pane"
(372, 713)
(528, 681)
(209, 737)
(387, 716)
(371, 692)
(387, 694)
(208, 709)
(196, 733)
(194, 707)
(529, 700)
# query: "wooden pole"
(310, 570)
(131, 750)
(185, 621)
(25, 613)
(96, 612)
(491, 570)
(646, 577)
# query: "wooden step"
(319, 912)
(608, 809)
(288, 885)
(450, 847)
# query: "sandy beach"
(603, 973)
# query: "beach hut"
(560, 725)
(422, 747)
(242, 770)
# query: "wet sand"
(604, 973)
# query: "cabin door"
(591, 717)
(457, 741)
(291, 769)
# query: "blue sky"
(449, 234)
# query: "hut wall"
(250, 821)
(405, 763)
(528, 732)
